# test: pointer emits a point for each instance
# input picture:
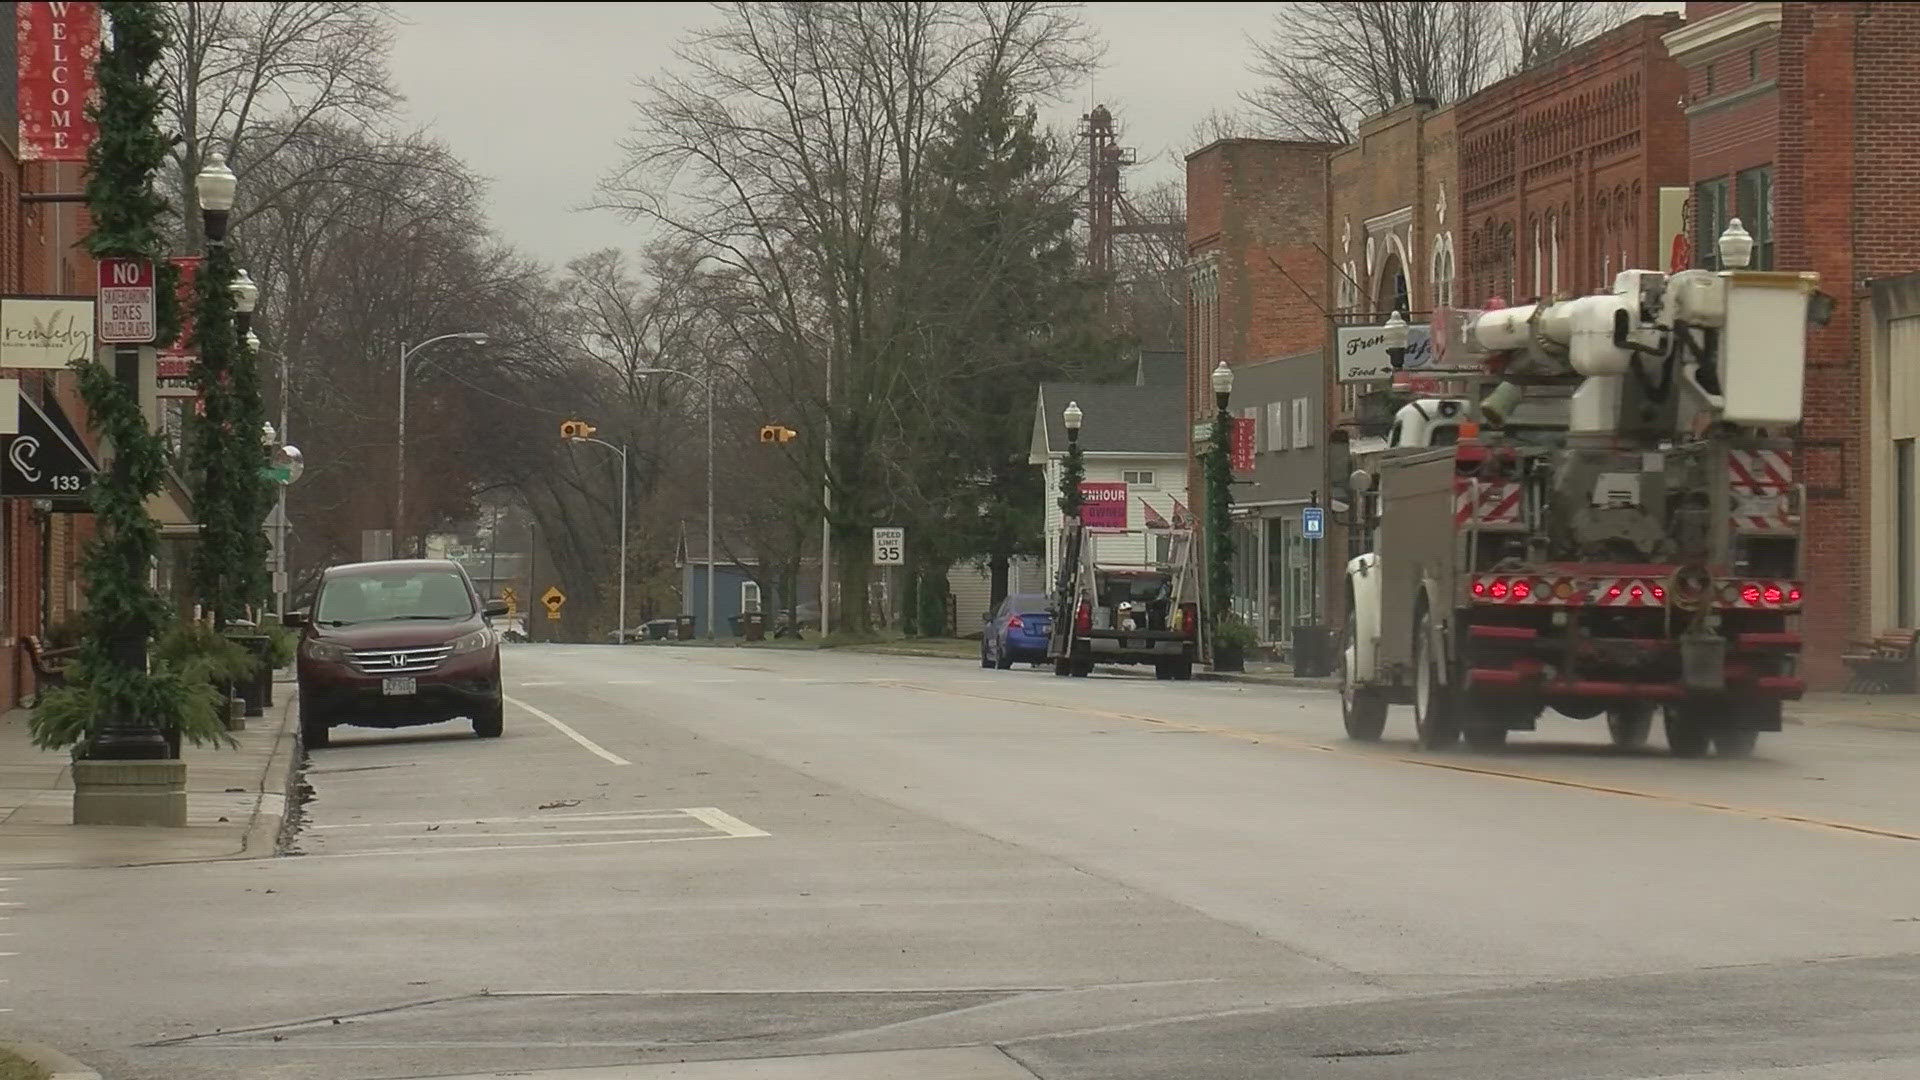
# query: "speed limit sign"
(889, 546)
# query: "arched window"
(1553, 254)
(1539, 259)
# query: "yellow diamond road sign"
(553, 598)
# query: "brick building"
(1561, 168)
(1803, 124)
(1257, 296)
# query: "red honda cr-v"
(395, 644)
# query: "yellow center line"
(1359, 752)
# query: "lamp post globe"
(1395, 334)
(1222, 380)
(1073, 417)
(1736, 246)
(214, 190)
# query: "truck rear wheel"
(1063, 668)
(1735, 742)
(1363, 710)
(1436, 709)
(1687, 733)
(1628, 725)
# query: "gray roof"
(1119, 419)
(1159, 367)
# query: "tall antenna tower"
(1110, 216)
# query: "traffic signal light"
(774, 433)
(576, 429)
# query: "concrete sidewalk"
(236, 801)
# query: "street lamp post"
(1396, 335)
(400, 447)
(1072, 471)
(707, 385)
(620, 630)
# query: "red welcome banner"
(174, 362)
(1103, 504)
(1242, 443)
(58, 45)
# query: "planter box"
(236, 717)
(1229, 658)
(130, 793)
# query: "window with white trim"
(1140, 478)
(1276, 425)
(1304, 423)
(749, 597)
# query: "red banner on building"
(1103, 504)
(1241, 459)
(58, 45)
(173, 366)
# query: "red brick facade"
(1561, 167)
(1257, 280)
(1824, 94)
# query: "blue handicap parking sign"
(1313, 522)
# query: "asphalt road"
(864, 867)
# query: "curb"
(263, 836)
(58, 1065)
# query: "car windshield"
(393, 594)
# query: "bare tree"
(252, 80)
(1327, 64)
(788, 147)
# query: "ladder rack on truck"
(1124, 614)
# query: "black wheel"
(1436, 709)
(1687, 734)
(1628, 725)
(1486, 735)
(1082, 668)
(1063, 668)
(1163, 671)
(1735, 742)
(1001, 661)
(985, 660)
(1363, 710)
(491, 721)
(315, 732)
(1183, 671)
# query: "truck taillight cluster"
(1083, 618)
(1626, 592)
(1187, 619)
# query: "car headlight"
(474, 642)
(325, 651)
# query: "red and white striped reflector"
(1486, 502)
(1757, 485)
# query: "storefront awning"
(48, 459)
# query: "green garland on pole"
(1073, 471)
(114, 705)
(1219, 469)
(226, 453)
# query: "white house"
(1135, 444)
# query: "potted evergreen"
(1233, 639)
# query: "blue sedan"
(1016, 633)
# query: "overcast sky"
(536, 103)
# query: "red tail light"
(1498, 590)
(1014, 623)
(1636, 593)
(1613, 593)
(1793, 595)
(1750, 594)
(1083, 618)
(1773, 594)
(1189, 619)
(1479, 588)
(1659, 592)
(1522, 590)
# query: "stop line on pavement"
(520, 833)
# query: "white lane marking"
(563, 729)
(525, 835)
(542, 682)
(631, 682)
(598, 815)
(725, 822)
(418, 853)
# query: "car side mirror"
(495, 609)
(295, 620)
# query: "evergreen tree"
(1010, 305)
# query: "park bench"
(49, 665)
(1885, 665)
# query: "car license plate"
(398, 687)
